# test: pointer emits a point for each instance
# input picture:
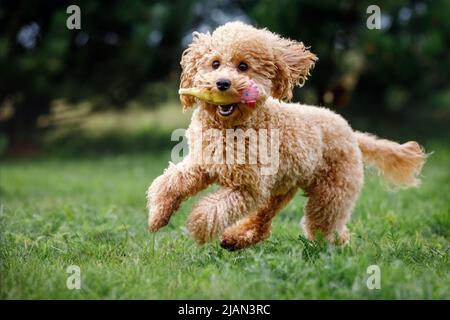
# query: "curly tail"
(399, 164)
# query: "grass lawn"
(90, 211)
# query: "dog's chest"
(235, 176)
(235, 156)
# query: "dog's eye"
(243, 66)
(215, 64)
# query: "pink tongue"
(250, 94)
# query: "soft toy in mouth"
(248, 96)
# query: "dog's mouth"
(227, 109)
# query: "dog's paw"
(160, 212)
(156, 221)
(334, 237)
(233, 243)
(235, 238)
(243, 234)
(343, 238)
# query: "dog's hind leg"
(214, 212)
(331, 199)
(255, 227)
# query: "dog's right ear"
(293, 61)
(201, 44)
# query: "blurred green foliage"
(129, 50)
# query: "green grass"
(90, 211)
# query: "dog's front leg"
(167, 191)
(216, 211)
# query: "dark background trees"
(394, 79)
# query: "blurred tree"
(122, 45)
(397, 73)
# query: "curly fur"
(319, 153)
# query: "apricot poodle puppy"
(318, 151)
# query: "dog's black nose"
(223, 84)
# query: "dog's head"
(236, 53)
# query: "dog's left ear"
(293, 61)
